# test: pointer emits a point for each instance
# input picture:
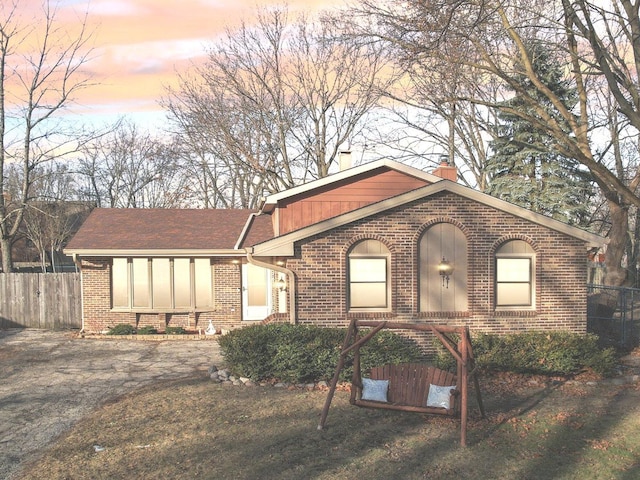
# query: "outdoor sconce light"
(281, 284)
(445, 269)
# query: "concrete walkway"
(49, 380)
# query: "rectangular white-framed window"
(120, 287)
(514, 282)
(162, 284)
(368, 283)
(181, 282)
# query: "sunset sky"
(140, 45)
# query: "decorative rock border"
(225, 377)
(156, 337)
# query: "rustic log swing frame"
(461, 350)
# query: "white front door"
(256, 292)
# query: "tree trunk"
(7, 261)
(615, 274)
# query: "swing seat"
(408, 389)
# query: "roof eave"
(131, 252)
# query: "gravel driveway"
(49, 380)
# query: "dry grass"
(197, 429)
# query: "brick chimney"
(446, 171)
(344, 160)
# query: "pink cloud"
(139, 45)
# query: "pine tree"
(524, 168)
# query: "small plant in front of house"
(122, 329)
(147, 330)
(175, 331)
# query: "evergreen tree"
(524, 168)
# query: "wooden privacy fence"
(40, 300)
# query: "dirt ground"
(536, 428)
(75, 408)
(50, 380)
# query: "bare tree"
(485, 43)
(129, 168)
(37, 81)
(275, 103)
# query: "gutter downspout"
(78, 263)
(291, 280)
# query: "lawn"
(194, 428)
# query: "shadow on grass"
(197, 429)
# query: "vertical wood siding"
(40, 300)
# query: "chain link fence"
(613, 313)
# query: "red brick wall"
(99, 317)
(561, 268)
(320, 267)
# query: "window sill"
(385, 314)
(515, 312)
(458, 314)
(163, 311)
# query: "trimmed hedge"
(559, 353)
(302, 353)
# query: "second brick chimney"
(446, 171)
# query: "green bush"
(174, 331)
(122, 329)
(301, 353)
(560, 353)
(147, 330)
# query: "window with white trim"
(515, 265)
(161, 284)
(368, 276)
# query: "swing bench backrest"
(409, 385)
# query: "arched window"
(515, 265)
(369, 267)
(443, 241)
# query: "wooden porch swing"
(410, 387)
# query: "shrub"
(302, 353)
(174, 331)
(550, 353)
(147, 330)
(122, 329)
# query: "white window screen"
(514, 282)
(120, 283)
(368, 282)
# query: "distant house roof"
(128, 231)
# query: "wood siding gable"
(342, 197)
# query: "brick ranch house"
(381, 240)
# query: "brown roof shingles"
(165, 229)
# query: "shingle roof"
(166, 229)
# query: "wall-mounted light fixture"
(281, 284)
(445, 269)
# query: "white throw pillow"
(439, 396)
(375, 389)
